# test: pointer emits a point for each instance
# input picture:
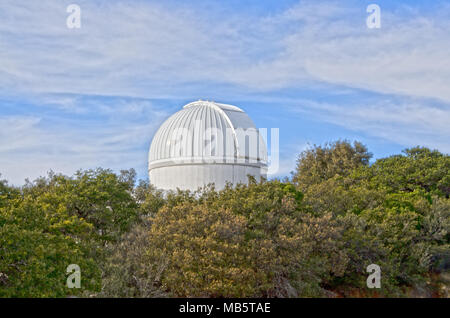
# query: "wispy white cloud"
(161, 50)
(149, 49)
(32, 145)
(408, 55)
(409, 124)
(133, 49)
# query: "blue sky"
(94, 96)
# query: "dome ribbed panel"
(196, 115)
(208, 133)
(175, 137)
(155, 148)
(215, 139)
(188, 142)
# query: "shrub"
(251, 241)
(126, 270)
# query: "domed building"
(206, 142)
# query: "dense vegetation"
(312, 235)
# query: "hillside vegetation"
(311, 235)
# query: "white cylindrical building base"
(191, 177)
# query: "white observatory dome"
(206, 142)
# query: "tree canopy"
(311, 236)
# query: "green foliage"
(251, 241)
(101, 197)
(127, 272)
(57, 221)
(38, 241)
(150, 200)
(7, 193)
(418, 169)
(312, 237)
(319, 164)
(395, 212)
